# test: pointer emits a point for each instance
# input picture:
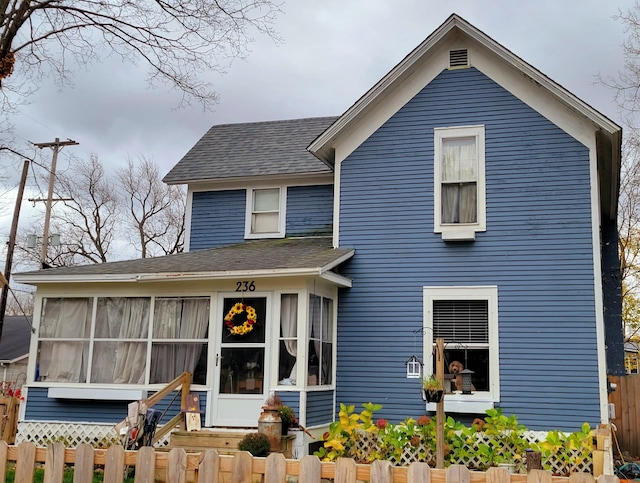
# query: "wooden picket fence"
(9, 406)
(178, 466)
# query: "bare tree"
(88, 217)
(177, 40)
(20, 302)
(156, 212)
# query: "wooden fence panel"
(581, 478)
(177, 466)
(345, 471)
(209, 467)
(4, 453)
(458, 474)
(26, 462)
(114, 465)
(418, 472)
(539, 476)
(381, 472)
(275, 470)
(498, 475)
(145, 465)
(626, 400)
(84, 464)
(242, 467)
(54, 463)
(310, 469)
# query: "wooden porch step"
(225, 442)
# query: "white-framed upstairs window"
(266, 212)
(467, 319)
(459, 182)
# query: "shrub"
(255, 443)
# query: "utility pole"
(11, 245)
(55, 146)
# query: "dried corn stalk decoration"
(6, 65)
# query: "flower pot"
(431, 395)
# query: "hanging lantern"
(466, 381)
(414, 368)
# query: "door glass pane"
(241, 370)
(244, 320)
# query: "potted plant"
(432, 389)
(288, 417)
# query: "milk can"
(270, 424)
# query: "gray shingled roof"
(16, 336)
(259, 255)
(252, 149)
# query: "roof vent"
(458, 58)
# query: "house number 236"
(245, 286)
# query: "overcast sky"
(332, 53)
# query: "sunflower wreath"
(234, 326)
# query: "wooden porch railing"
(183, 381)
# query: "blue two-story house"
(465, 196)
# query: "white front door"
(241, 376)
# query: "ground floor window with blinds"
(467, 319)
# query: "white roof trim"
(323, 272)
(322, 146)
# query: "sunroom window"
(288, 340)
(320, 348)
(114, 346)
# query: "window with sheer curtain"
(321, 331)
(459, 179)
(114, 346)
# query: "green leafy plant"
(431, 383)
(255, 443)
(287, 415)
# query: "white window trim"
(479, 401)
(459, 231)
(282, 214)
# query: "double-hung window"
(265, 216)
(467, 319)
(459, 178)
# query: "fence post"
(600, 454)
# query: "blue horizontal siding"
(42, 408)
(537, 249)
(320, 408)
(291, 399)
(310, 210)
(217, 218)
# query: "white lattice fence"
(420, 450)
(42, 433)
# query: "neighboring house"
(14, 350)
(465, 196)
(631, 356)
